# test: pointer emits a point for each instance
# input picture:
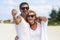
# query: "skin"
(16, 38)
(16, 19)
(31, 21)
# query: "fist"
(14, 12)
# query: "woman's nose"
(30, 17)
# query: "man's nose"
(25, 9)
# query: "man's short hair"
(23, 4)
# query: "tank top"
(22, 30)
(36, 34)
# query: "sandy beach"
(8, 32)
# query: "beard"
(25, 12)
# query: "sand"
(8, 32)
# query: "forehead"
(24, 5)
(31, 13)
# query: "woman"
(37, 28)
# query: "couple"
(28, 25)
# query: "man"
(24, 7)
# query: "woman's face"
(31, 18)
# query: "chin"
(31, 22)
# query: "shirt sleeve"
(44, 23)
(44, 30)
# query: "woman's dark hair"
(23, 4)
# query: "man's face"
(24, 8)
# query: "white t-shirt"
(40, 33)
(44, 30)
(36, 34)
(22, 30)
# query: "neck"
(24, 16)
(34, 26)
(33, 23)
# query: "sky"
(41, 7)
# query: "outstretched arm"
(17, 19)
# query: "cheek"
(27, 19)
(34, 18)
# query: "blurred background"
(48, 8)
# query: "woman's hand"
(43, 18)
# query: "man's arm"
(17, 19)
(16, 38)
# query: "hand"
(14, 12)
(16, 38)
(43, 18)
